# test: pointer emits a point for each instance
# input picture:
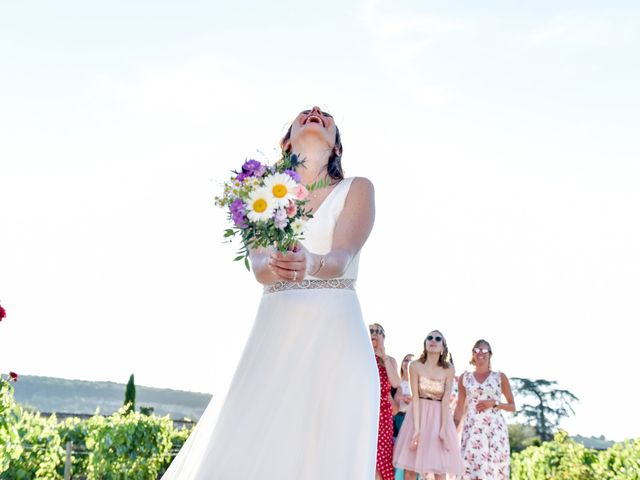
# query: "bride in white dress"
(303, 403)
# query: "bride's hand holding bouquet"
(291, 265)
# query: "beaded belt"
(312, 284)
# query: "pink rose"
(301, 192)
(3, 313)
(291, 209)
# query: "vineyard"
(564, 459)
(134, 446)
(123, 446)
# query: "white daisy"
(281, 187)
(260, 205)
(298, 226)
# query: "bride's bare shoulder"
(362, 188)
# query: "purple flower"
(280, 219)
(237, 213)
(253, 168)
(293, 174)
(261, 171)
(237, 206)
(241, 176)
(238, 220)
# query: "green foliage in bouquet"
(42, 454)
(127, 445)
(10, 447)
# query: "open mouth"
(314, 119)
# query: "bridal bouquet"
(266, 205)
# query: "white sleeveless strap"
(340, 195)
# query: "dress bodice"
(490, 389)
(318, 237)
(431, 388)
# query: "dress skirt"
(303, 403)
(431, 455)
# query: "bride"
(303, 403)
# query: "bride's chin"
(313, 133)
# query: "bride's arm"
(351, 231)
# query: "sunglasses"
(481, 350)
(376, 331)
(437, 338)
(324, 114)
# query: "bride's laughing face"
(314, 122)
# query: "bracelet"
(495, 407)
(319, 266)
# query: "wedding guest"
(454, 394)
(402, 395)
(388, 371)
(427, 442)
(485, 438)
(401, 398)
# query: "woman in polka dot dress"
(388, 369)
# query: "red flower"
(3, 313)
(13, 376)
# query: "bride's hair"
(444, 360)
(334, 166)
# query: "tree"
(521, 436)
(550, 404)
(146, 410)
(130, 395)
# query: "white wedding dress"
(303, 403)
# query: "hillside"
(48, 394)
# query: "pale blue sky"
(502, 141)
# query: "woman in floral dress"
(485, 438)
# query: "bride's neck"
(315, 155)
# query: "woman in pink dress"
(427, 442)
(388, 371)
(485, 438)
